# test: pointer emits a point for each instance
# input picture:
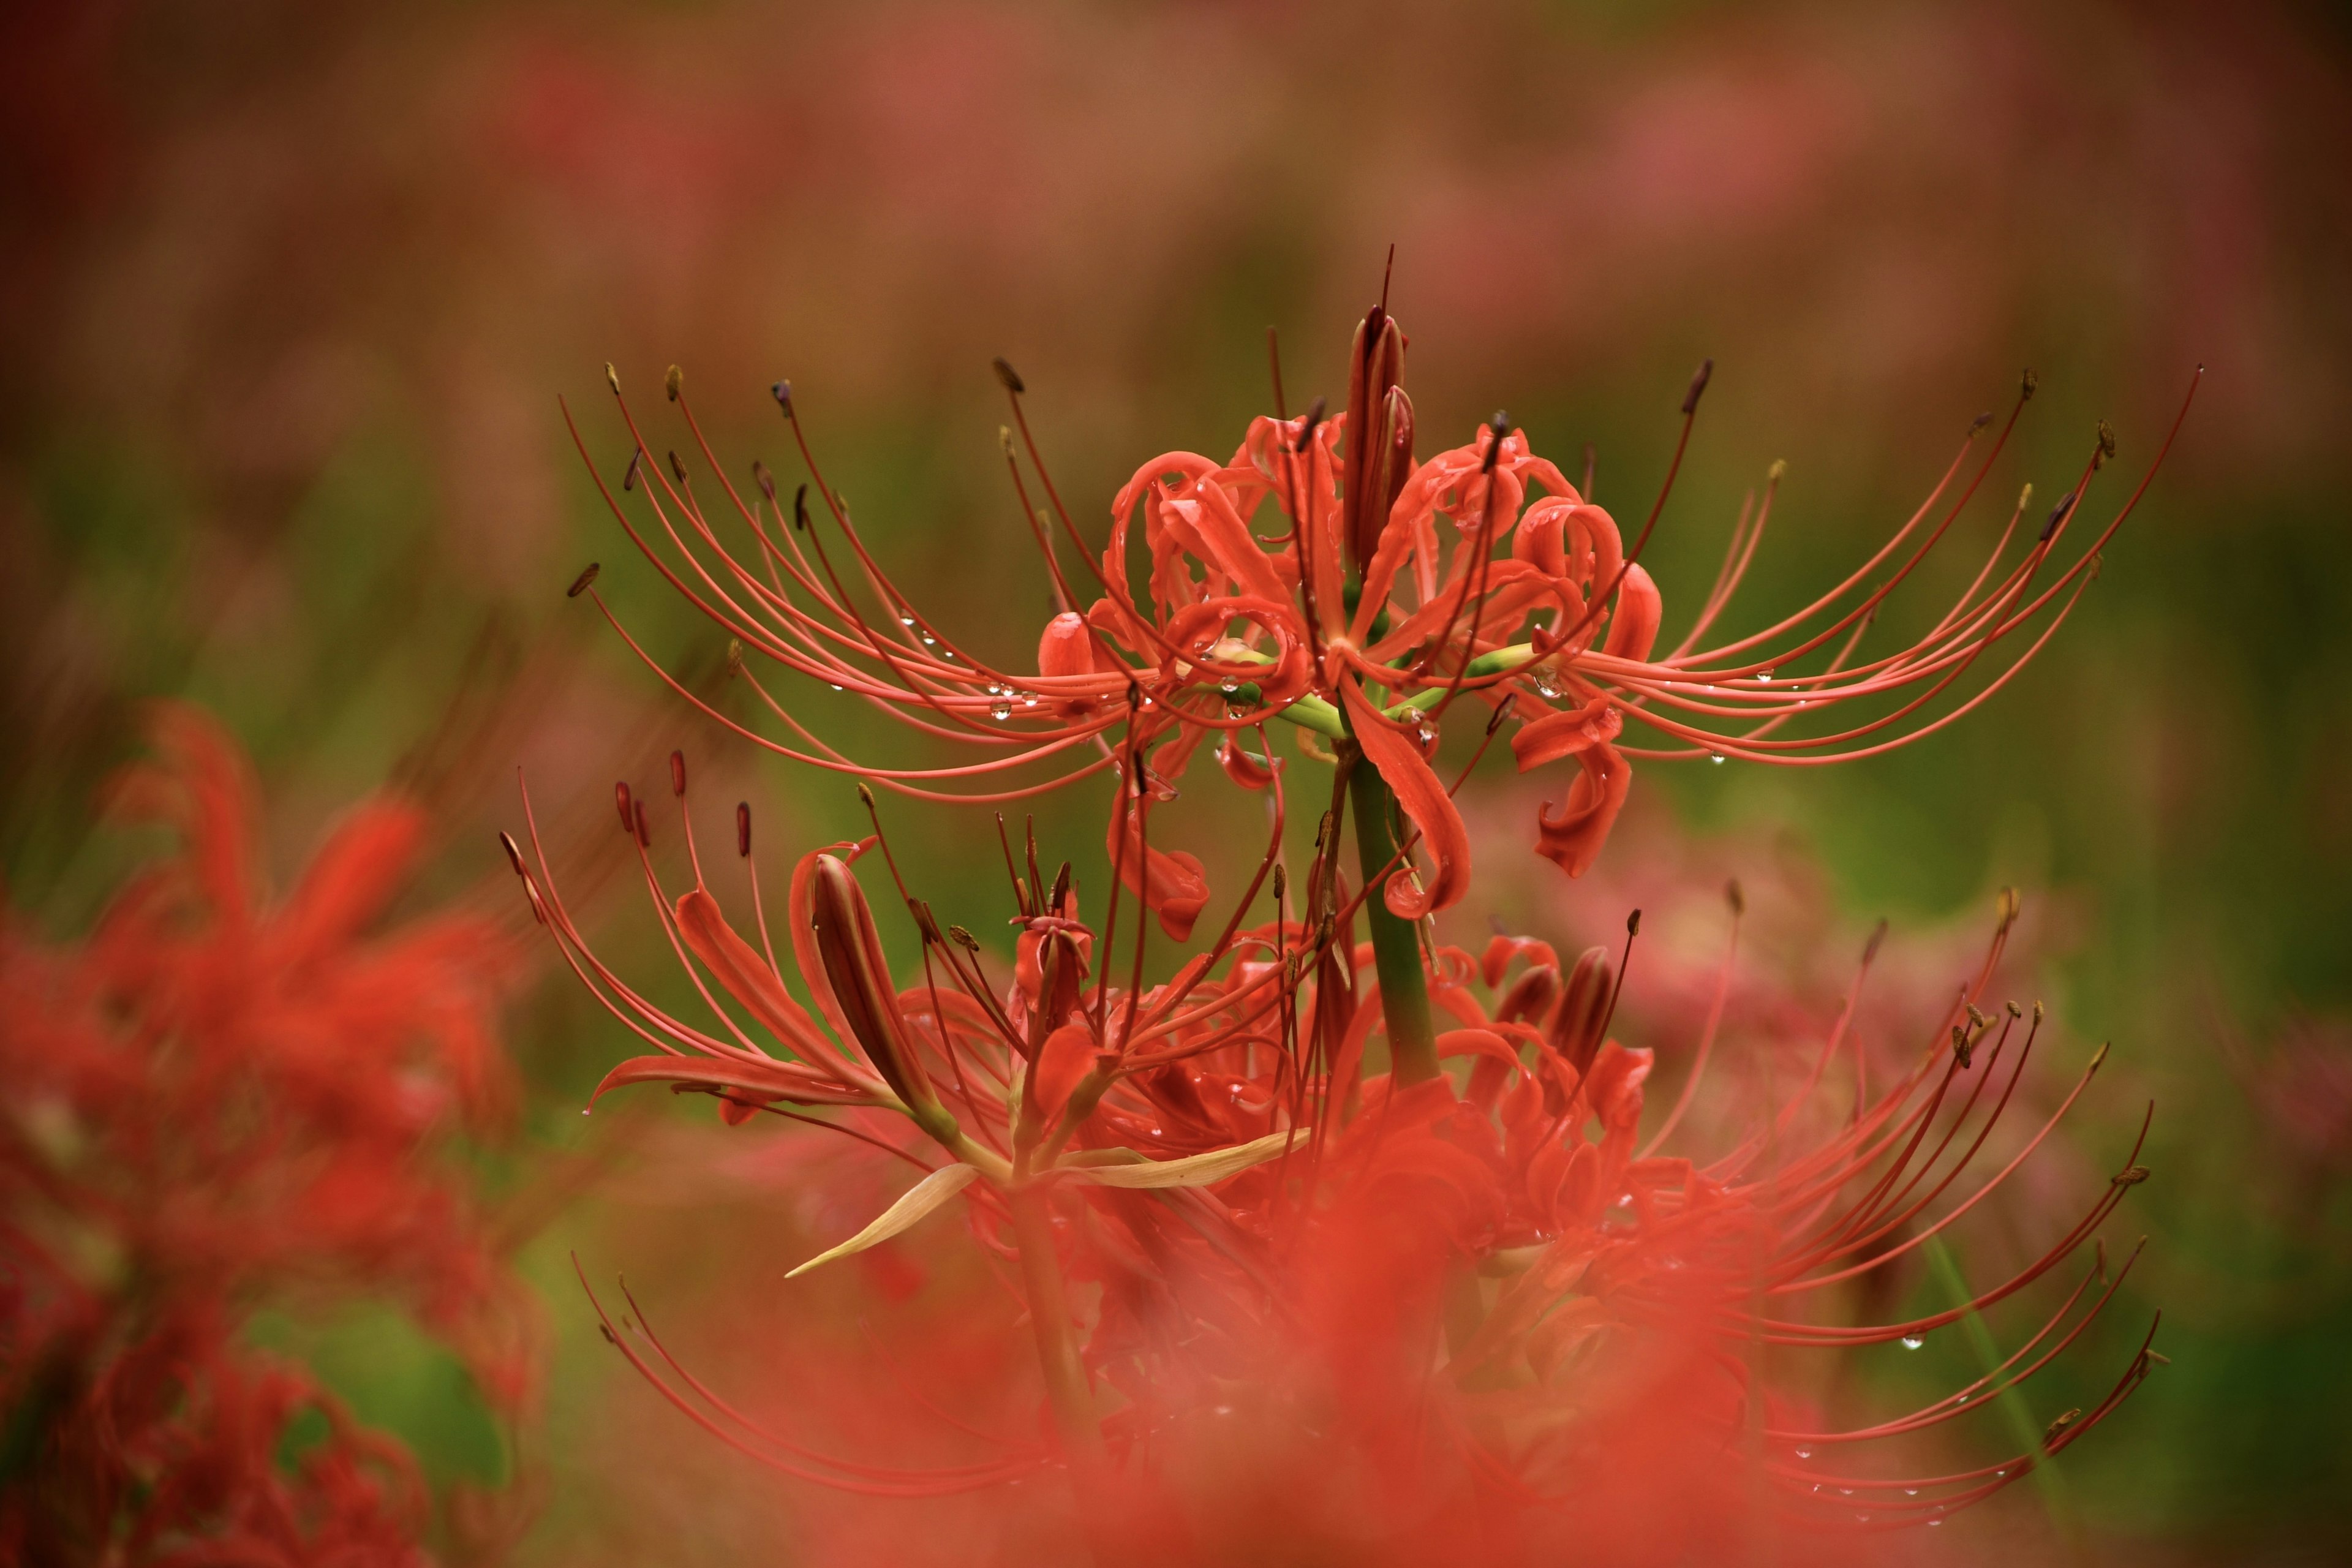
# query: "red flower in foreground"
(1404, 1308)
(217, 1101)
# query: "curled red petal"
(1426, 804)
(741, 971)
(1634, 628)
(1572, 839)
(1566, 732)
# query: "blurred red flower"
(219, 1101)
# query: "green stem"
(2016, 1413)
(1396, 946)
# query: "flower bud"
(860, 978)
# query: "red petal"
(1068, 1053)
(1426, 804)
(1634, 628)
(743, 973)
(1171, 884)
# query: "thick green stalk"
(1396, 946)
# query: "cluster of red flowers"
(1340, 1236)
(219, 1102)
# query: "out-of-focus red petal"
(1171, 884)
(1063, 1060)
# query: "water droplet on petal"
(1934, 1522)
(1763, 677)
(1910, 1491)
(1804, 1453)
(1029, 700)
(1717, 757)
(1000, 710)
(1229, 686)
(1912, 1341)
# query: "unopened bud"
(1583, 1008)
(855, 969)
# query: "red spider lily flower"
(1419, 1304)
(219, 1099)
(1391, 588)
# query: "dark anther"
(1306, 429)
(2131, 1175)
(1980, 421)
(1009, 376)
(580, 583)
(1281, 883)
(864, 795)
(963, 938)
(2057, 515)
(671, 382)
(606, 1330)
(743, 828)
(1633, 923)
(800, 510)
(766, 481)
(2106, 439)
(677, 774)
(1497, 428)
(514, 853)
(621, 800)
(2013, 1010)
(677, 468)
(1962, 1046)
(612, 376)
(1698, 386)
(2026, 383)
(1870, 948)
(1736, 896)
(629, 475)
(1061, 894)
(2058, 1425)
(783, 392)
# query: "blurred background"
(289, 291)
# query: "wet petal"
(1425, 803)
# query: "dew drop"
(1910, 1491)
(1804, 1453)
(1229, 686)
(1545, 684)
(837, 686)
(905, 620)
(1997, 1473)
(1029, 700)
(1846, 1492)
(585, 1109)
(1000, 710)
(1716, 757)
(930, 641)
(1912, 1341)
(1934, 1522)
(1763, 677)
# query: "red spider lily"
(219, 1099)
(1425, 1305)
(1391, 589)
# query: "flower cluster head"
(1362, 1225)
(217, 1101)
